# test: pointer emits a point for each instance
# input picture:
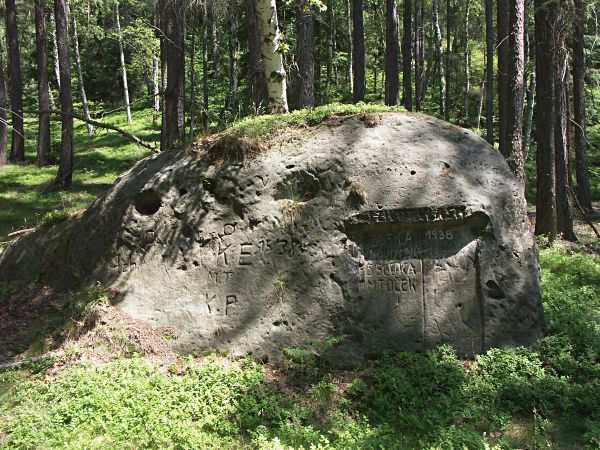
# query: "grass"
(98, 162)
(544, 397)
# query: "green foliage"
(265, 125)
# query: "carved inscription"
(223, 305)
(411, 215)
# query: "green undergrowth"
(98, 161)
(265, 125)
(540, 398)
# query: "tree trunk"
(407, 44)
(271, 56)
(564, 218)
(447, 61)
(516, 88)
(581, 166)
(467, 61)
(3, 115)
(15, 88)
(304, 54)
(156, 87)
(43, 142)
(55, 50)
(84, 100)
(504, 63)
(350, 49)
(419, 55)
(123, 66)
(234, 50)
(175, 47)
(545, 223)
(65, 169)
(205, 70)
(358, 42)
(192, 55)
(161, 19)
(392, 53)
(528, 117)
(257, 82)
(489, 71)
(439, 56)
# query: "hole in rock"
(183, 191)
(148, 202)
(494, 290)
(412, 172)
(299, 186)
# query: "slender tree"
(545, 16)
(584, 193)
(3, 115)
(275, 75)
(392, 53)
(358, 44)
(439, 56)
(257, 82)
(43, 141)
(234, 50)
(65, 169)
(467, 60)
(84, 99)
(561, 141)
(407, 45)
(174, 29)
(17, 150)
(304, 54)
(504, 62)
(123, 65)
(419, 55)
(489, 71)
(516, 73)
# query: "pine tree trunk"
(271, 56)
(564, 218)
(55, 50)
(304, 54)
(545, 223)
(419, 55)
(17, 150)
(439, 56)
(156, 87)
(489, 71)
(447, 55)
(392, 53)
(467, 61)
(257, 82)
(43, 142)
(358, 42)
(84, 100)
(350, 44)
(407, 45)
(234, 50)
(64, 176)
(3, 115)
(123, 66)
(584, 194)
(162, 21)
(504, 61)
(175, 47)
(528, 117)
(192, 55)
(516, 88)
(205, 71)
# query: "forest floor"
(110, 382)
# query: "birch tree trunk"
(439, 56)
(156, 87)
(43, 142)
(123, 66)
(17, 150)
(271, 56)
(65, 168)
(392, 54)
(84, 100)
(55, 50)
(467, 61)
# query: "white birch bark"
(272, 58)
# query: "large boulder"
(390, 232)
